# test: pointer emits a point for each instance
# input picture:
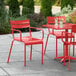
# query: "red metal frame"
(66, 54)
(28, 40)
(50, 24)
(68, 42)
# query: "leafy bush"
(65, 3)
(46, 7)
(6, 2)
(57, 2)
(4, 19)
(19, 18)
(14, 8)
(37, 2)
(28, 7)
(54, 2)
(20, 2)
(36, 20)
(66, 11)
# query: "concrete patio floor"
(34, 67)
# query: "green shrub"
(6, 2)
(65, 3)
(37, 2)
(20, 2)
(4, 19)
(57, 2)
(28, 7)
(19, 18)
(14, 8)
(66, 11)
(36, 20)
(46, 7)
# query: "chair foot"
(7, 61)
(24, 64)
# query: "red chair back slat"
(50, 19)
(20, 24)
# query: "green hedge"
(46, 7)
(4, 19)
(65, 3)
(14, 8)
(28, 7)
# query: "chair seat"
(58, 34)
(29, 40)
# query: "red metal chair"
(28, 40)
(51, 20)
(71, 41)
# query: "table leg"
(66, 44)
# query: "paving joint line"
(5, 71)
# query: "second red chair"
(57, 34)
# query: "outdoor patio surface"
(34, 67)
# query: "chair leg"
(24, 55)
(10, 52)
(73, 46)
(31, 53)
(64, 53)
(63, 50)
(56, 46)
(46, 44)
(69, 58)
(42, 53)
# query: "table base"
(65, 57)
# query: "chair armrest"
(41, 30)
(68, 36)
(17, 31)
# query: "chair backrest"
(61, 18)
(50, 20)
(74, 28)
(19, 23)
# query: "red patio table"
(66, 27)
